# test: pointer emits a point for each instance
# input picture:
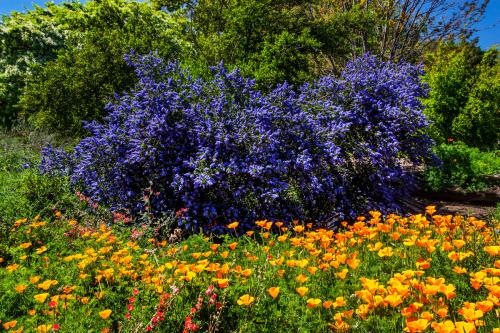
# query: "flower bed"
(420, 273)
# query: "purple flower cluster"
(226, 151)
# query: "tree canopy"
(464, 100)
(81, 79)
(61, 64)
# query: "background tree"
(76, 85)
(397, 30)
(464, 99)
(26, 40)
(267, 39)
(299, 39)
(479, 122)
(66, 60)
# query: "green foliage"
(463, 167)
(76, 86)
(339, 30)
(496, 213)
(268, 40)
(61, 64)
(28, 39)
(394, 30)
(23, 191)
(479, 122)
(464, 101)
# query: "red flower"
(55, 327)
(209, 290)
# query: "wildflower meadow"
(420, 273)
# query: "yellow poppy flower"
(41, 250)
(313, 302)
(41, 297)
(245, 300)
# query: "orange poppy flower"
(274, 291)
(442, 312)
(302, 290)
(485, 306)
(342, 274)
(21, 288)
(415, 326)
(222, 283)
(393, 300)
(301, 278)
(470, 314)
(43, 329)
(459, 270)
(327, 304)
(12, 267)
(312, 270)
(298, 228)
(430, 210)
(458, 243)
(233, 225)
(282, 238)
(10, 324)
(339, 302)
(246, 272)
(104, 314)
(385, 252)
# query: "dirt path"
(418, 204)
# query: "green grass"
(24, 192)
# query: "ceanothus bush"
(226, 151)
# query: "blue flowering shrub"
(226, 151)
